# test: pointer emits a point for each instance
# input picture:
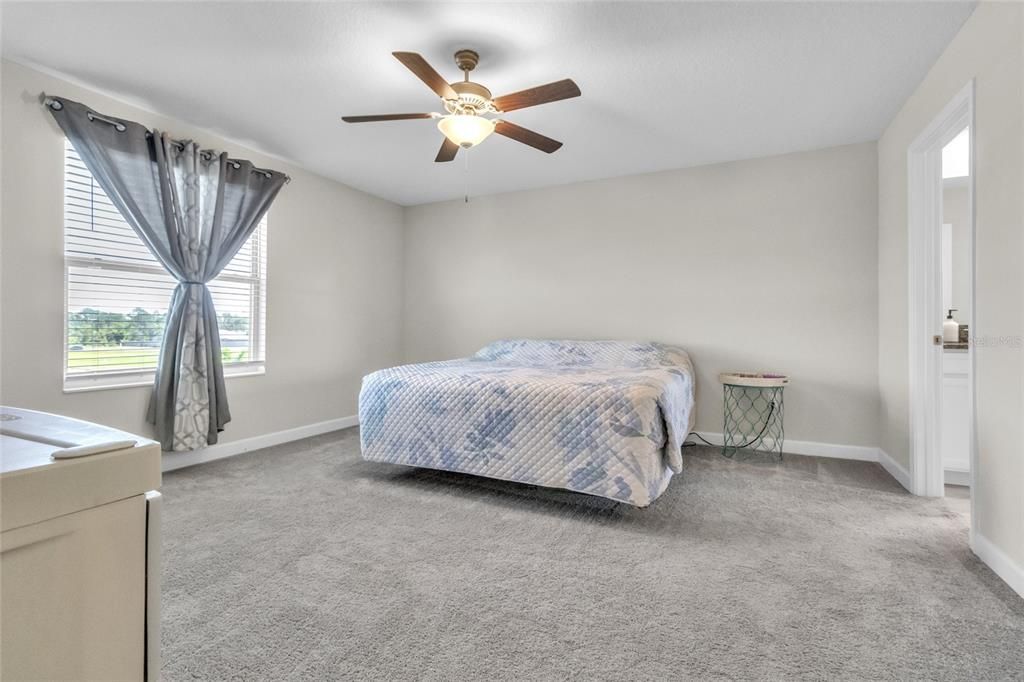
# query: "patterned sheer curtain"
(194, 209)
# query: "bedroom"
(542, 328)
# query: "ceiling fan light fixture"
(466, 130)
(465, 103)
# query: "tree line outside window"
(91, 327)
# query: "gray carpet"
(304, 562)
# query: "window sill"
(110, 382)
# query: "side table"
(753, 410)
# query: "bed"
(606, 418)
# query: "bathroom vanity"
(956, 460)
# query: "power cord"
(691, 444)
(767, 421)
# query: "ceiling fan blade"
(383, 117)
(521, 134)
(542, 94)
(447, 152)
(426, 73)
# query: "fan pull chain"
(465, 178)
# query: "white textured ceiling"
(665, 85)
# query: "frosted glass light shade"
(465, 130)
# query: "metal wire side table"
(753, 409)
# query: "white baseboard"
(957, 477)
(895, 469)
(863, 453)
(177, 460)
(1001, 565)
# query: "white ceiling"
(665, 85)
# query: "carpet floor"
(304, 562)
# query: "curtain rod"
(57, 105)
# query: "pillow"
(569, 353)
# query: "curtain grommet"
(118, 126)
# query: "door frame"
(924, 215)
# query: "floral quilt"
(606, 418)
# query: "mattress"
(606, 418)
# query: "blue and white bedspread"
(601, 417)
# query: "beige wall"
(334, 273)
(762, 264)
(990, 49)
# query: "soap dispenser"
(950, 328)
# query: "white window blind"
(118, 294)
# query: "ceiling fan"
(466, 103)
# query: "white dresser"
(79, 551)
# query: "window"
(117, 293)
(956, 156)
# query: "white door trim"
(924, 216)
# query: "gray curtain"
(194, 209)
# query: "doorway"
(941, 279)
